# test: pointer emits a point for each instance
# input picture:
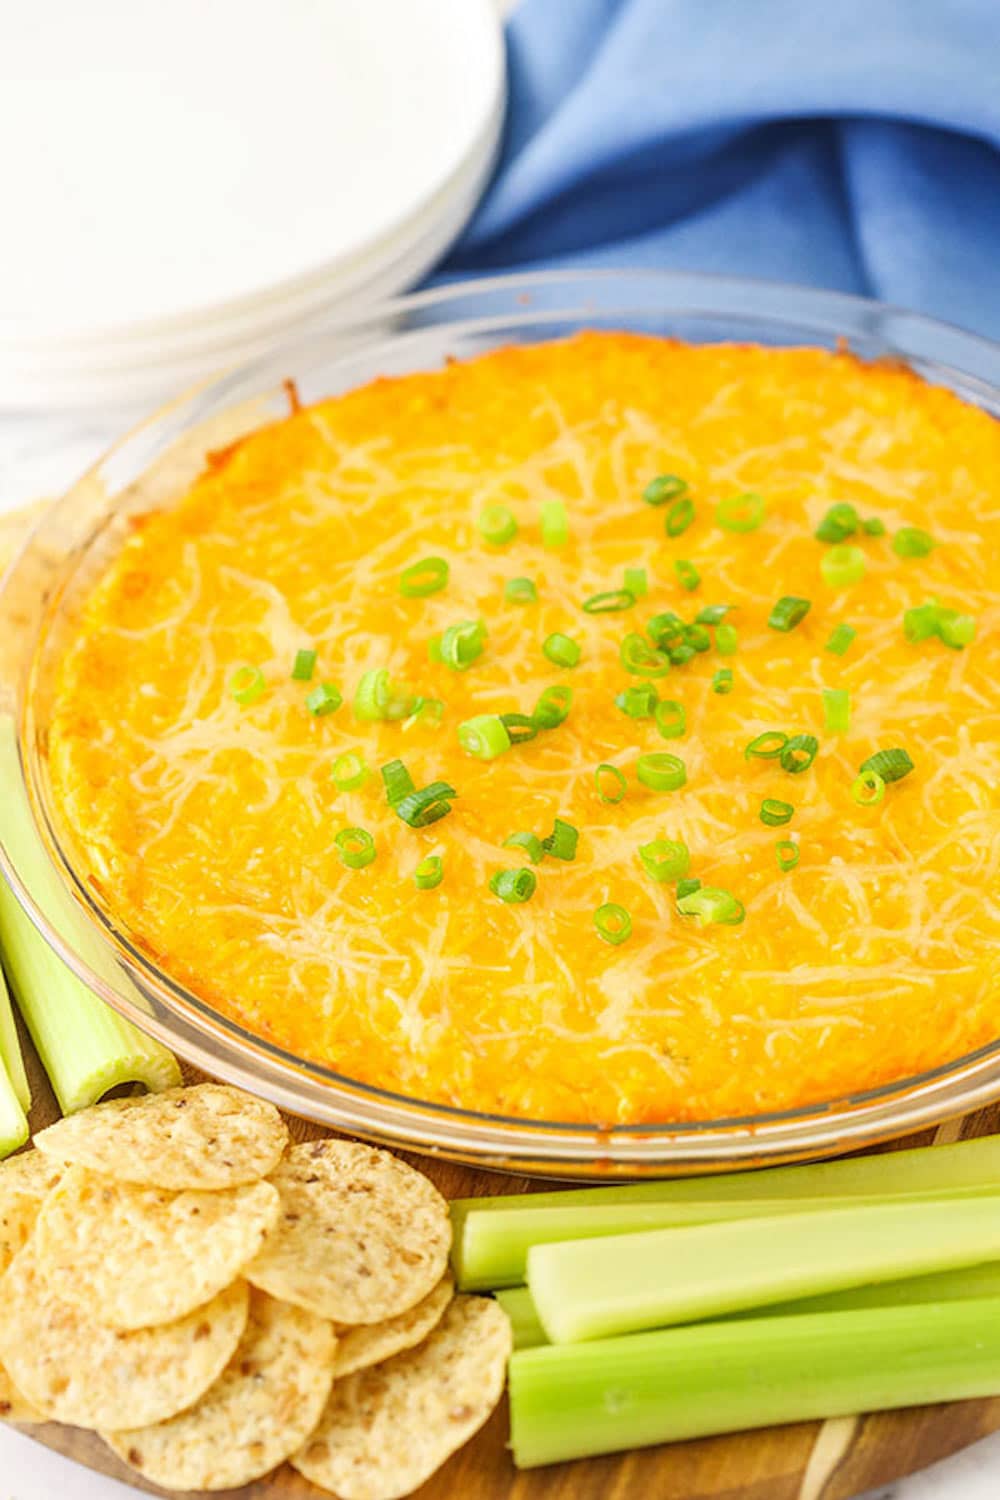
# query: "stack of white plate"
(184, 184)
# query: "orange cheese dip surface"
(209, 826)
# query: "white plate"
(166, 163)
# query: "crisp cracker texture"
(371, 1343)
(361, 1238)
(13, 1406)
(387, 1429)
(209, 1137)
(132, 1257)
(25, 1182)
(79, 1371)
(259, 1411)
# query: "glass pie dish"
(40, 603)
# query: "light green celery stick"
(940, 1286)
(10, 1050)
(574, 1400)
(525, 1323)
(13, 1120)
(491, 1254)
(592, 1289)
(85, 1047)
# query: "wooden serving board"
(834, 1460)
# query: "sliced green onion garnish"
(840, 640)
(687, 574)
(671, 718)
(304, 665)
(663, 488)
(462, 644)
(427, 576)
(788, 612)
(679, 517)
(434, 650)
(661, 771)
(842, 566)
(840, 522)
(429, 873)
(324, 699)
(799, 754)
(247, 684)
(665, 629)
(552, 707)
(529, 842)
(726, 640)
(722, 680)
(685, 887)
(911, 541)
(484, 736)
(519, 727)
(741, 512)
(891, 765)
(638, 701)
(681, 654)
(956, 630)
(787, 854)
(356, 847)
(709, 904)
(639, 657)
(665, 859)
(774, 813)
(874, 526)
(372, 695)
(766, 746)
(562, 841)
(610, 783)
(921, 622)
(555, 523)
(397, 781)
(401, 704)
(514, 886)
(613, 923)
(697, 637)
(428, 710)
(348, 772)
(609, 603)
(420, 809)
(636, 582)
(561, 649)
(837, 710)
(520, 591)
(712, 614)
(868, 789)
(497, 525)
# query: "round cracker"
(132, 1257)
(261, 1409)
(361, 1238)
(25, 1182)
(387, 1429)
(82, 1372)
(13, 1406)
(208, 1137)
(371, 1343)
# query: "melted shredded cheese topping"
(209, 827)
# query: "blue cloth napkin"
(852, 144)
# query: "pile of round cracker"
(214, 1300)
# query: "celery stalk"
(962, 1285)
(10, 1050)
(13, 1121)
(85, 1047)
(574, 1400)
(592, 1289)
(525, 1324)
(491, 1239)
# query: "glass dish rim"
(780, 1135)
